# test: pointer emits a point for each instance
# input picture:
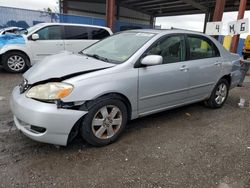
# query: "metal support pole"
(65, 6)
(110, 13)
(152, 21)
(218, 11)
(207, 18)
(118, 10)
(235, 40)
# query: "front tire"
(104, 122)
(219, 94)
(15, 62)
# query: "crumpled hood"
(62, 65)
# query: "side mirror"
(35, 36)
(152, 60)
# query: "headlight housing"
(50, 91)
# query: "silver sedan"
(123, 77)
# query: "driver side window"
(50, 33)
(172, 49)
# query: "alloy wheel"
(107, 122)
(16, 63)
(221, 93)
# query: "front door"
(165, 85)
(50, 42)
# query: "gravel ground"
(192, 146)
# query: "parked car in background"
(123, 77)
(246, 49)
(18, 52)
(8, 30)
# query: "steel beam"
(174, 13)
(174, 7)
(196, 5)
(176, 3)
(155, 2)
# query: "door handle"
(184, 68)
(59, 44)
(217, 63)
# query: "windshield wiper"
(97, 57)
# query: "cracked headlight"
(50, 91)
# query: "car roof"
(9, 28)
(164, 31)
(72, 24)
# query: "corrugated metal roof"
(172, 7)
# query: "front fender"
(125, 83)
(16, 47)
(14, 43)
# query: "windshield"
(30, 29)
(118, 48)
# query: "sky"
(196, 22)
(31, 4)
(191, 22)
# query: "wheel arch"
(228, 78)
(20, 51)
(120, 96)
(88, 104)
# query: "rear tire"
(219, 94)
(15, 62)
(104, 122)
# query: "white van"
(18, 52)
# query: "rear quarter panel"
(232, 66)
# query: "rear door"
(49, 42)
(204, 66)
(76, 38)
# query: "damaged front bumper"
(41, 121)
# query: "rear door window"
(97, 33)
(201, 48)
(76, 33)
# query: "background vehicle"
(10, 30)
(126, 76)
(19, 52)
(246, 49)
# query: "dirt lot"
(190, 146)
